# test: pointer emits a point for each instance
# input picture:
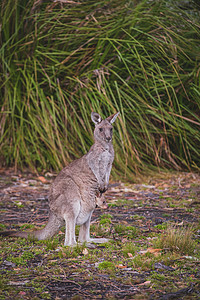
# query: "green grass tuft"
(177, 239)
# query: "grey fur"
(73, 193)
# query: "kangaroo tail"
(51, 228)
(21, 234)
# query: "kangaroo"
(74, 191)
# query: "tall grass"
(177, 240)
(60, 61)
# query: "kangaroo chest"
(100, 162)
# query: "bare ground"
(129, 267)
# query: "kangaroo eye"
(111, 129)
(100, 129)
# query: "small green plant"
(137, 217)
(106, 265)
(40, 289)
(190, 210)
(27, 226)
(3, 284)
(71, 252)
(2, 227)
(166, 215)
(128, 248)
(161, 226)
(112, 205)
(105, 219)
(19, 204)
(51, 244)
(106, 216)
(27, 255)
(22, 259)
(158, 279)
(100, 229)
(157, 276)
(145, 261)
(129, 231)
(138, 261)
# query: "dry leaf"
(60, 232)
(22, 293)
(145, 283)
(180, 224)
(85, 251)
(130, 254)
(188, 186)
(42, 179)
(151, 250)
(165, 185)
(18, 282)
(124, 222)
(121, 266)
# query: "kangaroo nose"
(108, 138)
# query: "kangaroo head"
(103, 128)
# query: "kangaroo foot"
(98, 240)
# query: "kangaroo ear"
(96, 118)
(112, 118)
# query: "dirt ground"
(133, 265)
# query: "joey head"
(73, 194)
(101, 201)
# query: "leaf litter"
(131, 266)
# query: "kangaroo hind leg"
(84, 232)
(71, 205)
(70, 239)
(70, 217)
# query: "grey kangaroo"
(75, 191)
